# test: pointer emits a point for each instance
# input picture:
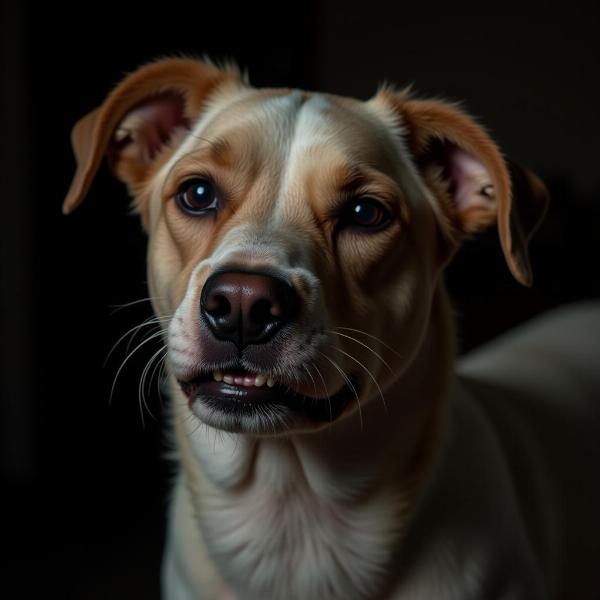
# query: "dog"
(330, 446)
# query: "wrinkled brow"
(217, 150)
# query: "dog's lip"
(231, 398)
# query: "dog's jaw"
(294, 394)
(245, 409)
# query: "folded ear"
(141, 121)
(476, 186)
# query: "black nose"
(247, 308)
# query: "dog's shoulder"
(538, 389)
(553, 359)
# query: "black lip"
(240, 401)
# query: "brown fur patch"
(429, 122)
(91, 136)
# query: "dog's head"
(296, 239)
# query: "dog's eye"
(196, 196)
(365, 213)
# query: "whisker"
(162, 376)
(146, 323)
(374, 337)
(312, 379)
(350, 385)
(118, 307)
(128, 357)
(313, 364)
(368, 372)
(142, 387)
(364, 346)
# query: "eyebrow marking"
(218, 145)
(176, 163)
(349, 176)
(221, 151)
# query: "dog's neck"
(262, 494)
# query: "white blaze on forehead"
(312, 128)
(279, 111)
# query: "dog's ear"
(476, 185)
(143, 118)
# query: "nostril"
(217, 305)
(263, 311)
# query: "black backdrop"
(84, 480)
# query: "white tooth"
(228, 379)
(218, 375)
(260, 380)
(270, 382)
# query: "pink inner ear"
(470, 183)
(151, 125)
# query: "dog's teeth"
(244, 380)
(248, 380)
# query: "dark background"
(83, 480)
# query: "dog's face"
(295, 239)
(283, 245)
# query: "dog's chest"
(278, 538)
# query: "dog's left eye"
(365, 212)
(196, 196)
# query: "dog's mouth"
(240, 400)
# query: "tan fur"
(431, 120)
(91, 135)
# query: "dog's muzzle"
(247, 318)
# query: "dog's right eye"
(364, 213)
(196, 196)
